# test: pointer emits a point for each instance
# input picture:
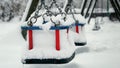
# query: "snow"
(78, 37)
(44, 46)
(102, 49)
(10, 50)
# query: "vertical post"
(77, 29)
(57, 34)
(91, 12)
(30, 39)
(83, 7)
(68, 30)
(88, 9)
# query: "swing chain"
(40, 7)
(56, 24)
(71, 11)
(32, 21)
(55, 3)
(36, 15)
(48, 12)
(37, 11)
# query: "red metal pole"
(57, 34)
(68, 30)
(77, 29)
(30, 39)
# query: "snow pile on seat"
(44, 46)
(77, 37)
(70, 20)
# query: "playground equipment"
(50, 46)
(87, 9)
(52, 36)
(116, 7)
(78, 25)
(51, 50)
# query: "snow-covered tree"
(11, 8)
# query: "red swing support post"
(68, 30)
(30, 32)
(57, 38)
(77, 29)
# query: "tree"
(11, 8)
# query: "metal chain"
(54, 2)
(70, 7)
(37, 11)
(57, 6)
(48, 13)
(56, 24)
(36, 15)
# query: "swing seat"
(47, 54)
(80, 43)
(48, 61)
(80, 34)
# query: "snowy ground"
(102, 50)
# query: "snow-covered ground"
(102, 49)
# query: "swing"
(77, 27)
(87, 14)
(51, 46)
(36, 60)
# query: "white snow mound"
(44, 46)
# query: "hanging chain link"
(33, 19)
(73, 11)
(55, 3)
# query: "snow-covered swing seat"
(47, 47)
(77, 28)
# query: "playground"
(99, 52)
(62, 35)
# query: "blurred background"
(12, 8)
